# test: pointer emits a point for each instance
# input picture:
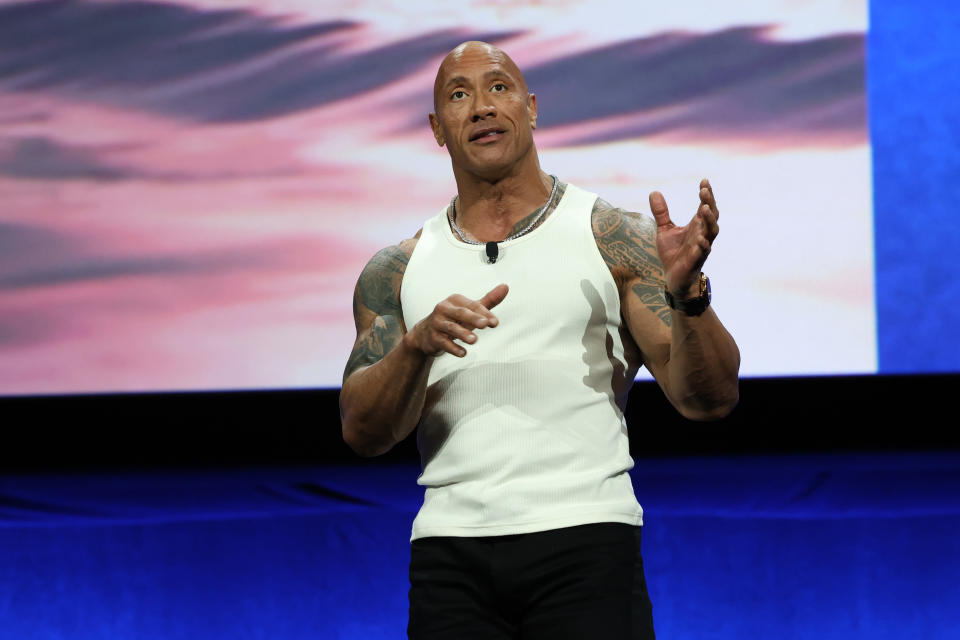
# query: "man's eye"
(499, 87)
(458, 95)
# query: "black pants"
(576, 583)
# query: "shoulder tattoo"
(376, 306)
(628, 244)
(378, 288)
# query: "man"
(510, 328)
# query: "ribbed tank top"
(526, 433)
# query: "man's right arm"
(385, 381)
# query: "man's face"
(484, 114)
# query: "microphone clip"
(493, 251)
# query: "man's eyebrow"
(455, 80)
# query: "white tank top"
(526, 433)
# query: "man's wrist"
(695, 299)
(410, 343)
(689, 292)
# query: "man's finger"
(451, 347)
(705, 184)
(495, 296)
(658, 206)
(710, 226)
(472, 318)
(707, 198)
(456, 330)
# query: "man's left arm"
(693, 357)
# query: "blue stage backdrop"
(913, 58)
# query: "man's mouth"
(491, 133)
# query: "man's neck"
(490, 209)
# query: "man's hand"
(683, 250)
(455, 318)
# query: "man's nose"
(482, 108)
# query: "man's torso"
(526, 432)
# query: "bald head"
(468, 53)
(484, 114)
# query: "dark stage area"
(226, 428)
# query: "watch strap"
(692, 306)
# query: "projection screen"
(190, 189)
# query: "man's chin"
(490, 166)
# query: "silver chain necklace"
(453, 218)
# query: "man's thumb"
(495, 296)
(658, 206)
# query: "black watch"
(692, 306)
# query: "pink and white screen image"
(189, 190)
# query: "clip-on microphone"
(492, 252)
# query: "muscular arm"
(386, 377)
(693, 358)
(385, 381)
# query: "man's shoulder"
(407, 245)
(626, 239)
(379, 283)
(392, 259)
(605, 215)
(616, 224)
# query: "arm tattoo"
(377, 296)
(379, 283)
(628, 244)
(652, 297)
(383, 335)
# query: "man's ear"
(532, 109)
(437, 132)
